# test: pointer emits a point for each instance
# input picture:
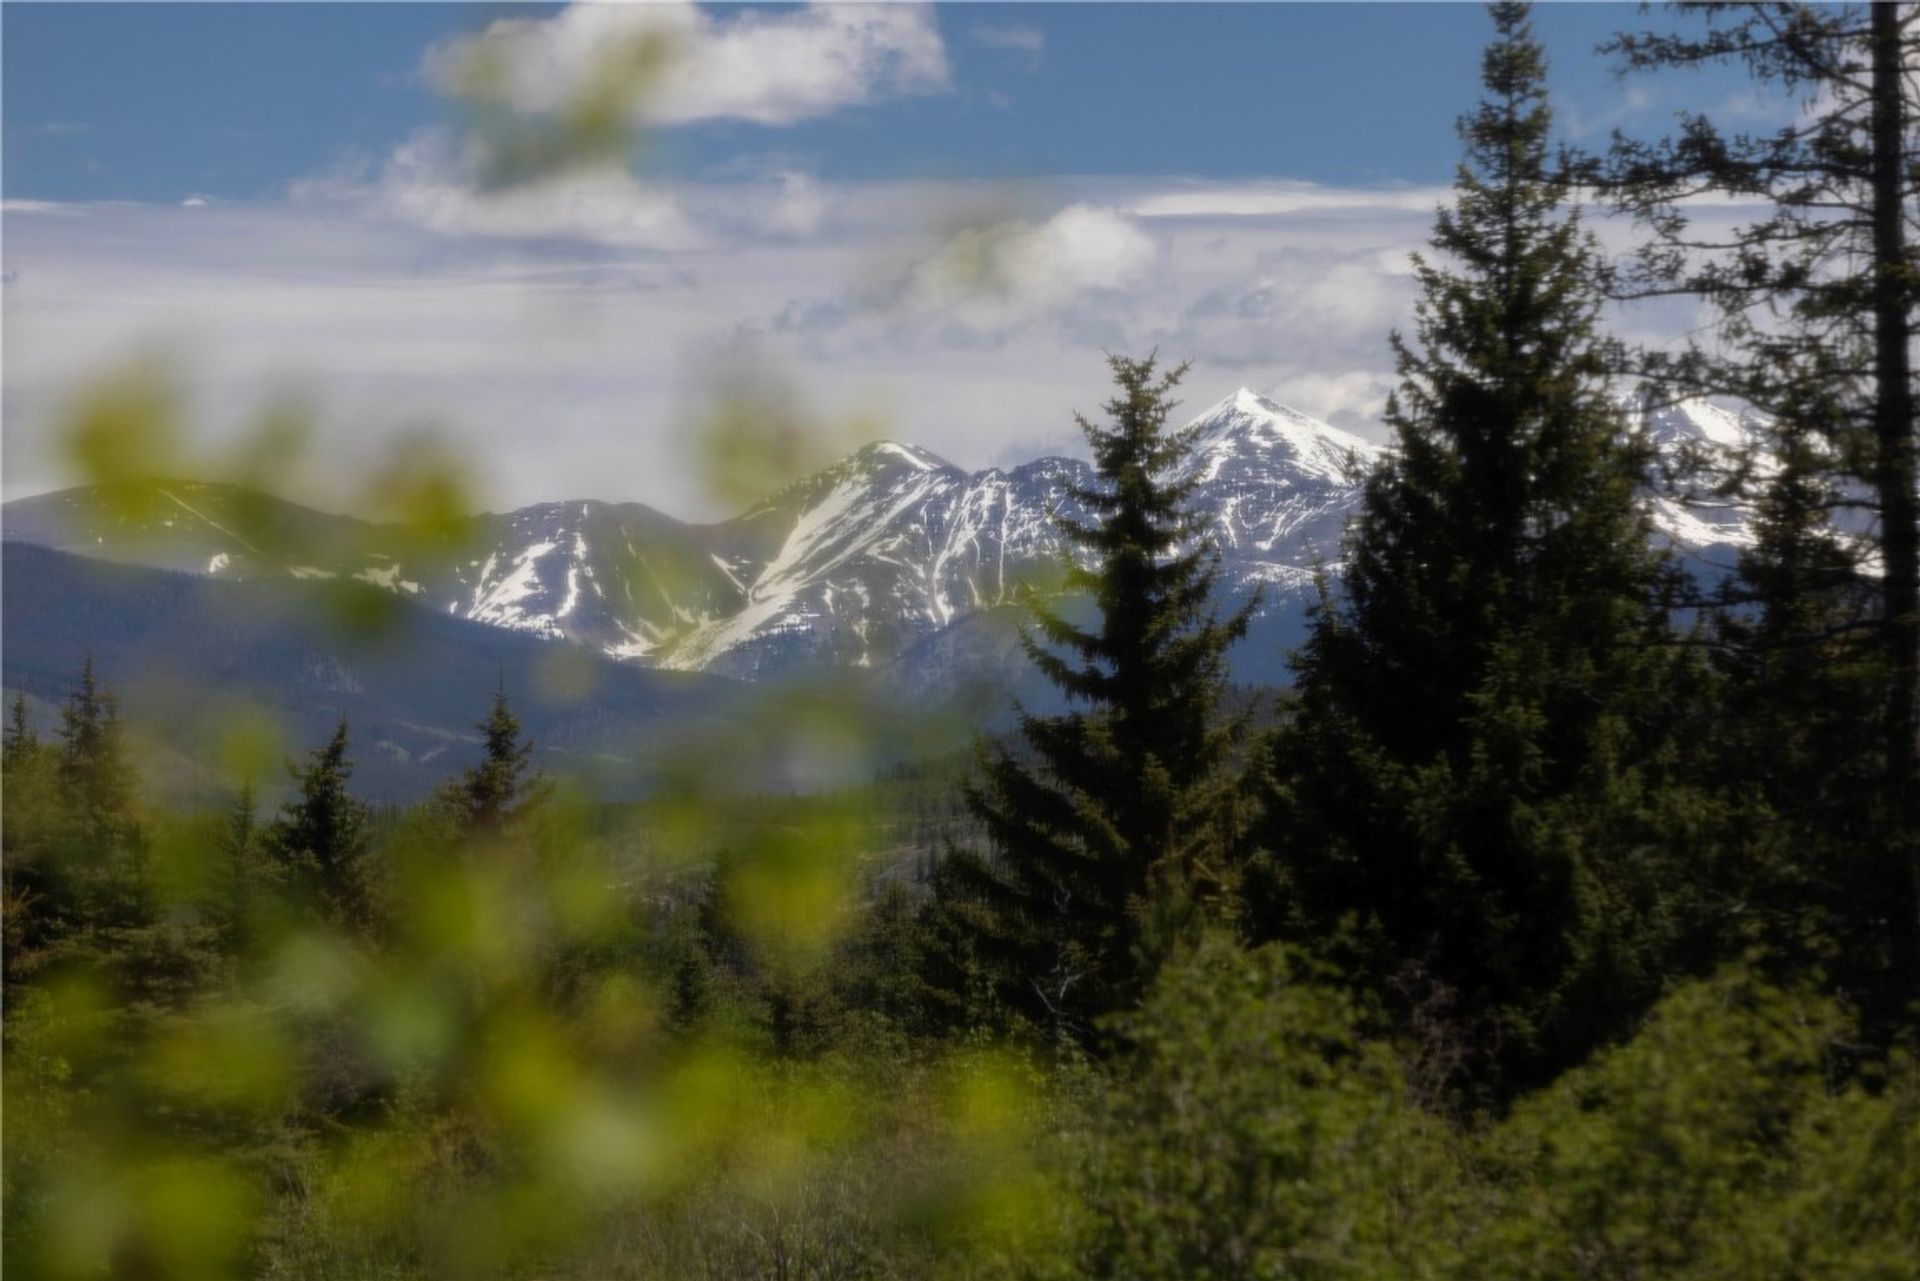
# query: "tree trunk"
(1893, 420)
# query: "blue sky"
(927, 223)
(159, 101)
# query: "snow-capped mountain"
(1278, 487)
(854, 566)
(1701, 451)
(887, 546)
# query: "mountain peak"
(892, 453)
(1699, 420)
(1248, 401)
(1249, 426)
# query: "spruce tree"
(1111, 829)
(323, 835)
(1817, 297)
(1471, 794)
(497, 789)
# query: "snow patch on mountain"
(503, 601)
(1707, 460)
(388, 576)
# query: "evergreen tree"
(1472, 792)
(20, 740)
(1818, 299)
(1800, 677)
(94, 768)
(321, 839)
(497, 789)
(101, 842)
(1113, 834)
(29, 773)
(239, 848)
(35, 902)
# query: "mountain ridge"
(853, 566)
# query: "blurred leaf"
(124, 432)
(252, 741)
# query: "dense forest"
(1561, 919)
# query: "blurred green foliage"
(454, 1042)
(593, 125)
(757, 431)
(126, 443)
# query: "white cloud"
(1002, 273)
(769, 67)
(429, 182)
(799, 203)
(1276, 199)
(772, 68)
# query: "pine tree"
(1818, 300)
(1470, 791)
(497, 789)
(323, 835)
(1112, 835)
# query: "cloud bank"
(561, 334)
